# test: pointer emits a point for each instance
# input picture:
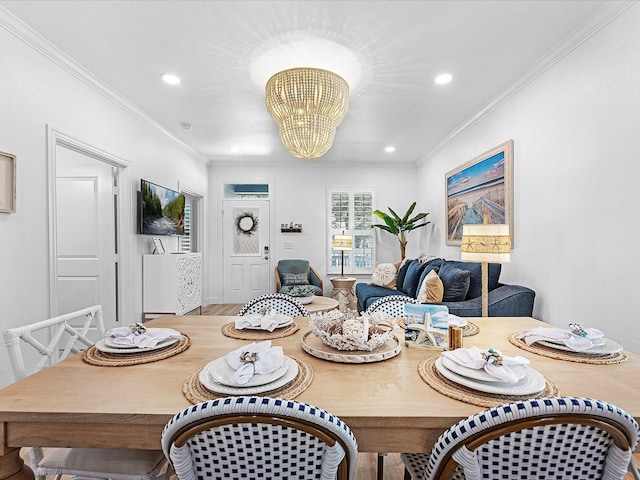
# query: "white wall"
(34, 92)
(576, 166)
(300, 196)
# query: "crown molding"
(601, 18)
(29, 36)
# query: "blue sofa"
(504, 300)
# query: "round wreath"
(247, 223)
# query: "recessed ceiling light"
(443, 78)
(234, 149)
(170, 79)
(390, 149)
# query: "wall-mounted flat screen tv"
(161, 210)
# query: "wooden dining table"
(387, 404)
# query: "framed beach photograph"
(481, 188)
(7, 182)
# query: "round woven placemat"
(578, 357)
(195, 392)
(230, 330)
(432, 377)
(103, 359)
(468, 330)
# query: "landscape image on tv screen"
(162, 210)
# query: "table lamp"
(485, 243)
(342, 242)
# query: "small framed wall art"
(7, 182)
(480, 189)
(158, 247)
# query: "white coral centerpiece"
(348, 332)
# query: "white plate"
(209, 383)
(103, 347)
(286, 323)
(519, 370)
(110, 342)
(220, 372)
(608, 347)
(533, 382)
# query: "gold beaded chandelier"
(308, 104)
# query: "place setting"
(267, 324)
(575, 343)
(253, 369)
(135, 344)
(484, 377)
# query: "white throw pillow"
(385, 275)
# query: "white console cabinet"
(172, 283)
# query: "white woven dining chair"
(249, 437)
(54, 340)
(548, 438)
(392, 305)
(281, 303)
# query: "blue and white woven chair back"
(281, 303)
(391, 305)
(258, 437)
(548, 438)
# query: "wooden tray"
(315, 347)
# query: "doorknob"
(266, 252)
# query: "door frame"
(59, 138)
(221, 200)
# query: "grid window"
(350, 212)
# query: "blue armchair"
(297, 272)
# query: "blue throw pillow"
(412, 278)
(455, 282)
(475, 282)
(430, 266)
(402, 272)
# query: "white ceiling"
(488, 47)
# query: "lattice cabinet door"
(172, 283)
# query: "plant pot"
(305, 300)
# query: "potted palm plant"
(400, 226)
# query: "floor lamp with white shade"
(485, 243)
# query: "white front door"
(247, 266)
(85, 246)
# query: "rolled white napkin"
(268, 359)
(457, 321)
(574, 342)
(473, 358)
(150, 338)
(269, 321)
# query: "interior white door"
(85, 234)
(247, 266)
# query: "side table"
(343, 293)
(321, 304)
